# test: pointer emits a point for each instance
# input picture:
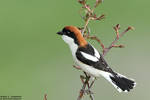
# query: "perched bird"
(91, 61)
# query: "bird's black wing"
(90, 56)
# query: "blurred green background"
(34, 60)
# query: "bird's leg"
(88, 91)
(92, 82)
(82, 78)
(84, 81)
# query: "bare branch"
(98, 18)
(85, 26)
(106, 50)
(82, 1)
(97, 3)
(118, 46)
(77, 67)
(116, 28)
(45, 97)
(96, 38)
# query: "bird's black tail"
(120, 82)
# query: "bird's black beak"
(60, 33)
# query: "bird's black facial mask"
(69, 34)
(65, 32)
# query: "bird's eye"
(65, 31)
(68, 32)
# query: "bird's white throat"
(71, 43)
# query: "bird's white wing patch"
(89, 57)
(96, 53)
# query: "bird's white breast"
(88, 69)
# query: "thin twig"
(97, 39)
(106, 50)
(85, 26)
(45, 97)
